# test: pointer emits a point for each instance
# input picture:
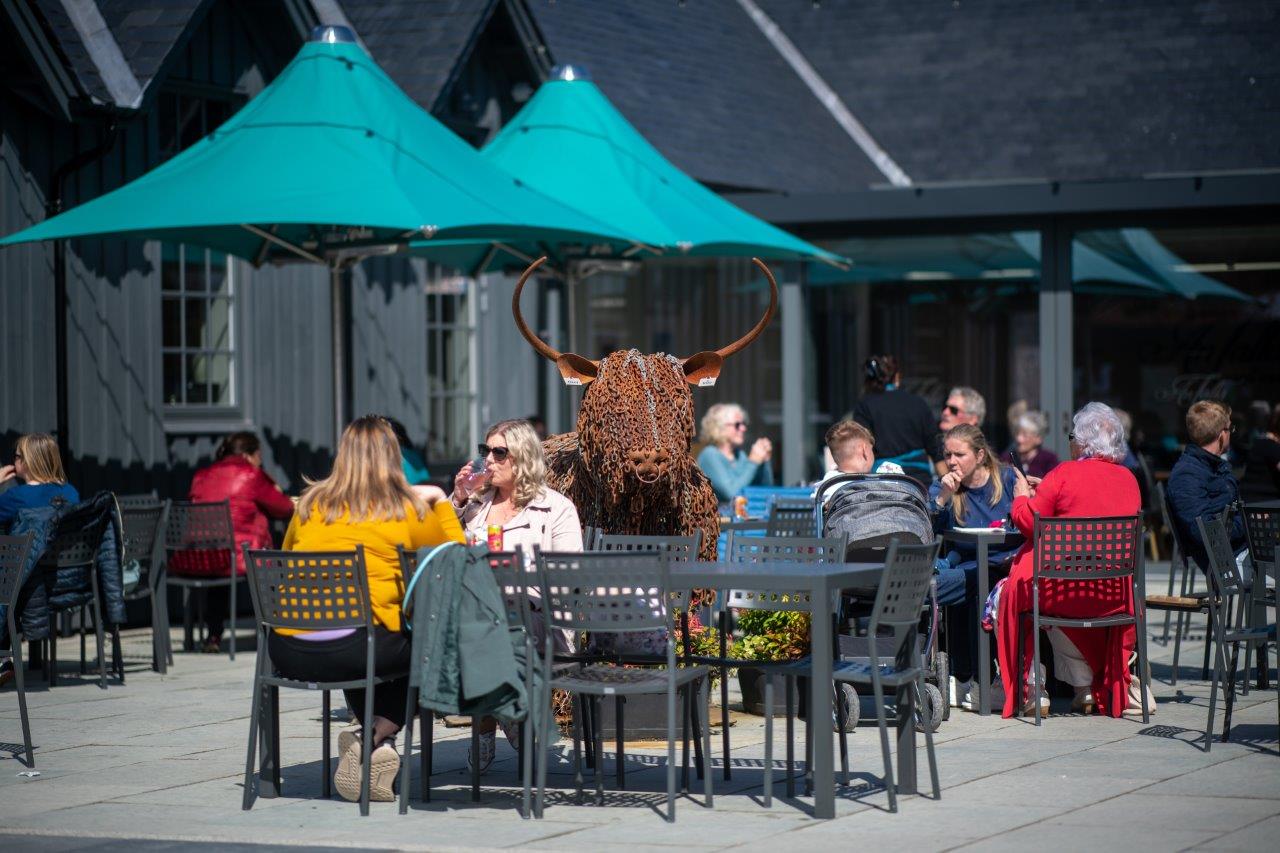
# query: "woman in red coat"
(237, 476)
(1094, 661)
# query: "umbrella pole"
(338, 314)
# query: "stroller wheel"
(942, 677)
(931, 714)
(852, 708)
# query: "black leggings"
(344, 660)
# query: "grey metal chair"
(78, 549)
(142, 529)
(1087, 550)
(792, 517)
(761, 550)
(200, 547)
(1229, 592)
(13, 556)
(1188, 601)
(1262, 527)
(513, 579)
(138, 500)
(908, 572)
(308, 591)
(614, 593)
(679, 549)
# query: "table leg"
(819, 727)
(984, 639)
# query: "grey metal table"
(983, 539)
(821, 581)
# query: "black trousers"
(344, 659)
(217, 606)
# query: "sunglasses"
(738, 425)
(500, 454)
(952, 410)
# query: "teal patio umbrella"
(330, 163)
(571, 143)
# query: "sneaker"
(959, 691)
(212, 646)
(488, 748)
(970, 700)
(384, 766)
(1083, 703)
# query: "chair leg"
(1231, 690)
(52, 657)
(475, 759)
(620, 770)
(427, 723)
(1219, 671)
(844, 740)
(250, 786)
(707, 780)
(543, 745)
(16, 643)
(878, 691)
(724, 695)
(578, 726)
(1177, 650)
(96, 608)
(684, 741)
(1143, 679)
(83, 619)
(928, 741)
(405, 772)
(526, 767)
(588, 734)
(366, 746)
(671, 750)
(598, 746)
(768, 740)
(788, 685)
(1035, 667)
(325, 756)
(117, 653)
(231, 616)
(1209, 632)
(700, 761)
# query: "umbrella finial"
(333, 34)
(570, 73)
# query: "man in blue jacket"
(1201, 482)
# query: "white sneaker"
(960, 692)
(971, 699)
(488, 748)
(384, 766)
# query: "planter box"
(751, 684)
(643, 717)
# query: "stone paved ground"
(157, 765)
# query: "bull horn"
(740, 343)
(538, 344)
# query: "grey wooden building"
(976, 161)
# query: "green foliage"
(771, 635)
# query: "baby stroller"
(872, 510)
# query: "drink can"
(740, 506)
(495, 537)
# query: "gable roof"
(1009, 91)
(420, 43)
(703, 85)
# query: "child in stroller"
(872, 510)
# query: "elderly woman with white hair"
(1094, 661)
(1028, 454)
(727, 465)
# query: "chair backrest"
(1223, 570)
(792, 517)
(309, 590)
(604, 591)
(13, 556)
(1084, 549)
(138, 500)
(680, 549)
(1262, 526)
(513, 579)
(1166, 517)
(199, 538)
(765, 549)
(141, 530)
(908, 571)
(590, 537)
(73, 548)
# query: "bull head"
(635, 426)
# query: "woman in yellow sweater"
(365, 501)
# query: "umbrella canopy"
(570, 142)
(328, 162)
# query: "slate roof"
(418, 42)
(1004, 90)
(703, 85)
(145, 32)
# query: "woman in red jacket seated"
(1094, 661)
(237, 476)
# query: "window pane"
(172, 379)
(171, 322)
(198, 370)
(190, 120)
(220, 379)
(218, 282)
(196, 313)
(170, 272)
(219, 324)
(168, 125)
(194, 262)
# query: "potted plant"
(767, 635)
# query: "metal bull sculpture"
(628, 467)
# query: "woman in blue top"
(730, 468)
(976, 491)
(36, 462)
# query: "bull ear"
(703, 368)
(576, 370)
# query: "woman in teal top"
(730, 468)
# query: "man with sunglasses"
(964, 406)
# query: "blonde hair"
(367, 481)
(40, 456)
(1206, 419)
(527, 459)
(713, 425)
(972, 436)
(841, 436)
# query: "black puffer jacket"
(71, 587)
